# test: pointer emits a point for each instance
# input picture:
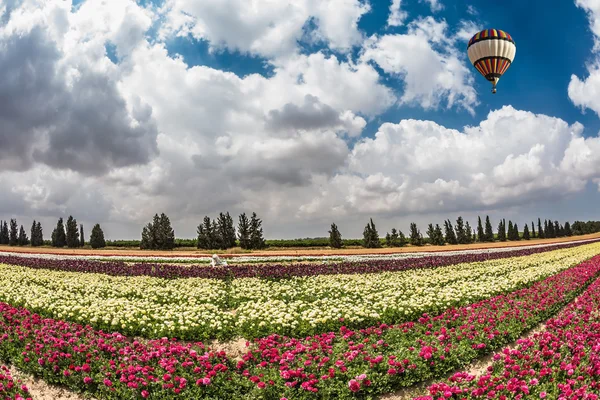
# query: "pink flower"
(543, 395)
(354, 385)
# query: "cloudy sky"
(305, 111)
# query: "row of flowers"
(11, 389)
(200, 309)
(344, 364)
(275, 270)
(248, 259)
(561, 362)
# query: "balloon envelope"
(491, 52)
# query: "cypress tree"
(231, 234)
(257, 240)
(502, 230)
(394, 238)
(489, 233)
(557, 229)
(439, 235)
(40, 234)
(167, 233)
(22, 240)
(97, 237)
(461, 235)
(335, 237)
(402, 239)
(4, 236)
(431, 234)
(370, 236)
(34, 234)
(541, 234)
(14, 234)
(568, 231)
(60, 239)
(532, 230)
(217, 238)
(526, 232)
(223, 231)
(81, 238)
(202, 241)
(480, 234)
(468, 233)
(449, 231)
(416, 239)
(72, 233)
(244, 231)
(516, 235)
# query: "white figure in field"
(217, 262)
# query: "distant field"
(289, 251)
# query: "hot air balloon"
(491, 52)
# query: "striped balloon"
(491, 52)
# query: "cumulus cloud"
(584, 93)
(64, 109)
(431, 68)
(397, 14)
(268, 28)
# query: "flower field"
(342, 364)
(562, 362)
(11, 389)
(331, 335)
(199, 309)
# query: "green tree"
(558, 229)
(4, 235)
(167, 233)
(461, 234)
(480, 234)
(416, 239)
(335, 237)
(439, 236)
(469, 233)
(510, 233)
(60, 237)
(371, 236)
(37, 237)
(204, 231)
(244, 231)
(502, 230)
(22, 240)
(158, 234)
(394, 238)
(257, 241)
(532, 230)
(97, 237)
(541, 233)
(568, 231)
(489, 233)
(81, 237)
(14, 233)
(402, 241)
(450, 236)
(72, 233)
(516, 236)
(526, 232)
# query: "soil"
(193, 252)
(40, 390)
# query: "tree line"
(463, 233)
(221, 233)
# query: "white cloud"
(268, 28)
(435, 5)
(397, 15)
(432, 70)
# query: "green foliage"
(502, 230)
(469, 233)
(59, 237)
(97, 237)
(532, 230)
(489, 233)
(436, 236)
(14, 234)
(22, 240)
(370, 236)
(335, 237)
(480, 235)
(244, 231)
(461, 234)
(37, 237)
(158, 234)
(4, 235)
(526, 232)
(416, 239)
(72, 233)
(81, 237)
(449, 231)
(257, 241)
(541, 232)
(568, 231)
